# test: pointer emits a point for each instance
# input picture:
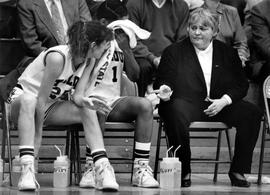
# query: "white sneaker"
(105, 178)
(28, 180)
(143, 176)
(88, 178)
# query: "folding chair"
(72, 143)
(265, 131)
(200, 126)
(8, 61)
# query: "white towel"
(131, 29)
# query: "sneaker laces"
(144, 168)
(31, 170)
(88, 169)
(107, 166)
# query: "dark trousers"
(244, 116)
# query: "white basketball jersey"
(32, 77)
(106, 77)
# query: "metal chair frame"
(71, 142)
(199, 126)
(265, 130)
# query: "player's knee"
(28, 103)
(145, 106)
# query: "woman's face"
(200, 34)
(98, 50)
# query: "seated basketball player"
(104, 84)
(36, 100)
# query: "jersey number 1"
(114, 74)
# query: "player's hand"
(94, 103)
(122, 40)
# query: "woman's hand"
(94, 103)
(216, 106)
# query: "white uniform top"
(106, 76)
(32, 77)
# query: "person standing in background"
(193, 4)
(260, 24)
(239, 5)
(230, 27)
(37, 26)
(93, 6)
(167, 22)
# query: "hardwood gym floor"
(202, 184)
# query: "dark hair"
(112, 10)
(82, 34)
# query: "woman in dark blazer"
(201, 79)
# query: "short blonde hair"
(208, 18)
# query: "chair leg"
(67, 149)
(217, 157)
(229, 144)
(78, 158)
(9, 155)
(157, 149)
(259, 182)
(74, 159)
(70, 152)
(7, 133)
(4, 136)
(132, 163)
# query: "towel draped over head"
(132, 30)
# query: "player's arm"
(83, 83)
(82, 99)
(54, 63)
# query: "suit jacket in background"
(180, 69)
(36, 26)
(260, 23)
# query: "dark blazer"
(260, 24)
(37, 30)
(180, 69)
(260, 17)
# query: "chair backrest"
(11, 53)
(266, 97)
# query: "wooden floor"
(201, 184)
